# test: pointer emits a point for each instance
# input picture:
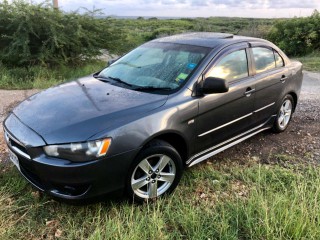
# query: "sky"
(197, 8)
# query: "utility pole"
(55, 4)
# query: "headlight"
(79, 152)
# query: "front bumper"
(65, 179)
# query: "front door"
(224, 115)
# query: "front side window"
(156, 65)
(231, 67)
(263, 58)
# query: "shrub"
(297, 36)
(32, 34)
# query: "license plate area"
(14, 159)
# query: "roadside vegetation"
(40, 77)
(40, 47)
(215, 200)
(35, 34)
(311, 62)
(297, 36)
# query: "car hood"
(77, 110)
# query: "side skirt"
(226, 144)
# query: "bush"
(297, 36)
(32, 34)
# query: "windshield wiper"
(128, 64)
(150, 88)
(134, 87)
(120, 81)
(101, 78)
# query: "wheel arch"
(295, 99)
(173, 138)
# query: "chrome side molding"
(221, 146)
(260, 109)
(238, 119)
(224, 125)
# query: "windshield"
(157, 65)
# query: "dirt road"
(301, 141)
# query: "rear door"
(224, 115)
(271, 76)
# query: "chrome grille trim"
(8, 138)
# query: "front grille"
(26, 166)
(17, 146)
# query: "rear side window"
(231, 67)
(279, 60)
(263, 58)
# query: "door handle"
(249, 91)
(283, 78)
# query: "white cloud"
(197, 8)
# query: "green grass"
(213, 201)
(40, 77)
(311, 62)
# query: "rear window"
(279, 60)
(264, 59)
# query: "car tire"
(284, 114)
(156, 171)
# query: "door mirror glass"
(214, 85)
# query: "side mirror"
(214, 85)
(111, 61)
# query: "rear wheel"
(156, 171)
(284, 114)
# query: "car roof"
(207, 39)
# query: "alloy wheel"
(285, 114)
(153, 176)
